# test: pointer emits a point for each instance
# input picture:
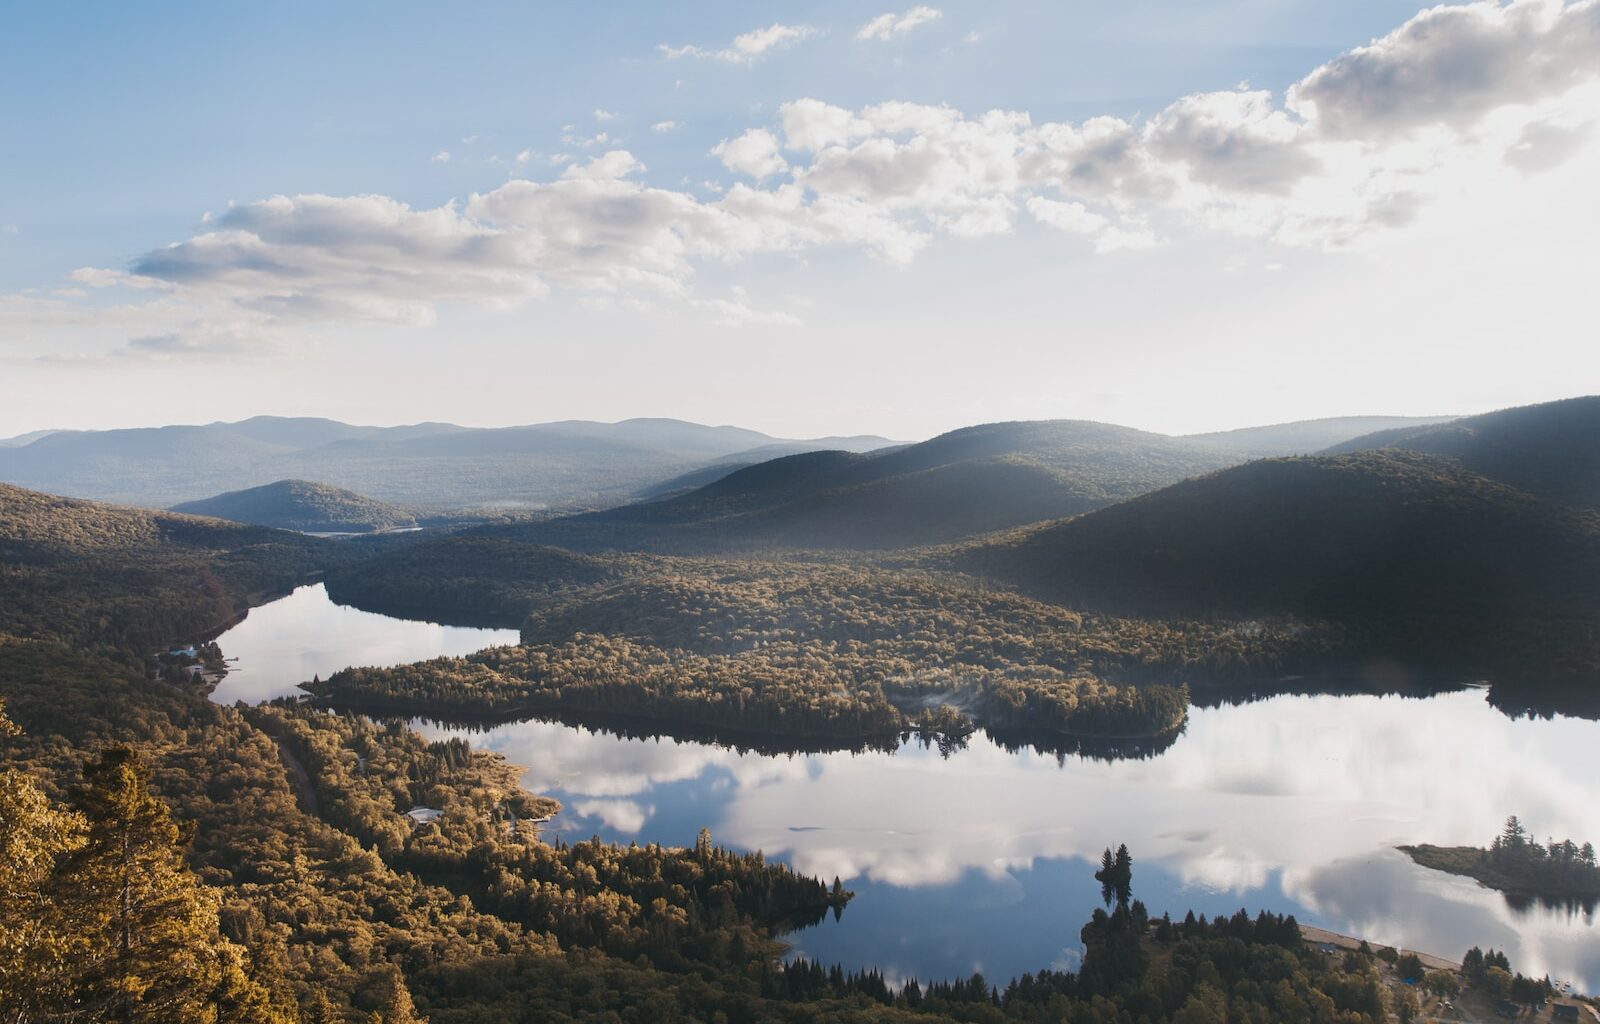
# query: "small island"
(1518, 866)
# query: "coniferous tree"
(39, 941)
(155, 953)
(394, 1000)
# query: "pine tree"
(394, 1000)
(154, 953)
(39, 944)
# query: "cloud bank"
(1456, 97)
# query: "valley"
(538, 723)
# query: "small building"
(423, 815)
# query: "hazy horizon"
(778, 435)
(839, 221)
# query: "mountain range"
(571, 463)
(960, 484)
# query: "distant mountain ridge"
(303, 506)
(571, 463)
(965, 482)
(1304, 437)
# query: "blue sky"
(127, 124)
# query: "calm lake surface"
(284, 643)
(982, 860)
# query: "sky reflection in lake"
(980, 860)
(283, 644)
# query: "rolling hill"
(1407, 547)
(571, 464)
(304, 506)
(958, 484)
(95, 574)
(1551, 450)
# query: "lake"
(983, 860)
(283, 643)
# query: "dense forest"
(119, 579)
(788, 647)
(1418, 559)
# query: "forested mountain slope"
(955, 485)
(302, 505)
(1410, 547)
(104, 576)
(1551, 450)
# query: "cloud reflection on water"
(1294, 802)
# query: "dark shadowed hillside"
(958, 484)
(303, 505)
(1551, 450)
(1404, 544)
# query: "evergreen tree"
(154, 953)
(39, 942)
(394, 1000)
(1124, 875)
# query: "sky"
(815, 219)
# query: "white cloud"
(746, 47)
(755, 153)
(665, 126)
(585, 141)
(887, 26)
(602, 115)
(619, 163)
(442, 157)
(1451, 65)
(1360, 147)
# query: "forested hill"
(1551, 450)
(959, 484)
(107, 577)
(567, 464)
(303, 505)
(1398, 542)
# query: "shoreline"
(1431, 961)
